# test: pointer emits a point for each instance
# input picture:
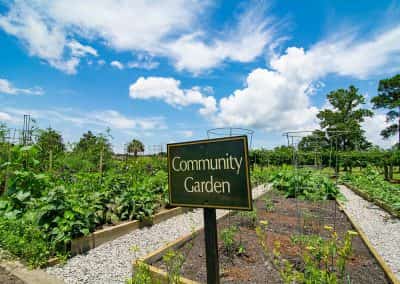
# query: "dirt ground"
(290, 217)
(7, 278)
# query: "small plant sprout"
(230, 246)
(249, 217)
(262, 235)
(142, 275)
(323, 260)
(228, 240)
(135, 249)
(269, 204)
(241, 250)
(173, 261)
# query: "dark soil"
(8, 278)
(290, 217)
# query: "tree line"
(93, 152)
(340, 128)
(340, 142)
(341, 124)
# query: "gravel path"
(112, 261)
(382, 230)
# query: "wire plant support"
(293, 139)
(229, 132)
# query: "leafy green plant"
(24, 239)
(324, 260)
(229, 245)
(372, 184)
(261, 232)
(142, 275)
(249, 218)
(268, 203)
(67, 205)
(173, 261)
(304, 184)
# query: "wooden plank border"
(29, 276)
(161, 275)
(370, 199)
(149, 259)
(97, 238)
(83, 244)
(388, 271)
(156, 255)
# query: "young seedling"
(269, 204)
(249, 217)
(173, 261)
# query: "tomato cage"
(229, 132)
(314, 161)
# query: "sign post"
(210, 174)
(211, 239)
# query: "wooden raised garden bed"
(83, 244)
(289, 217)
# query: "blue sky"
(166, 71)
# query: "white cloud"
(143, 65)
(269, 101)
(43, 37)
(143, 61)
(279, 98)
(5, 116)
(173, 29)
(114, 119)
(80, 50)
(117, 64)
(373, 127)
(100, 118)
(243, 43)
(345, 55)
(6, 87)
(187, 133)
(168, 90)
(72, 123)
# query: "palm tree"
(135, 146)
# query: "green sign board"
(210, 173)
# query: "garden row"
(42, 211)
(372, 187)
(306, 183)
(386, 160)
(295, 234)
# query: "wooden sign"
(210, 174)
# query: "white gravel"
(382, 230)
(112, 261)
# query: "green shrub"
(25, 240)
(372, 183)
(304, 184)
